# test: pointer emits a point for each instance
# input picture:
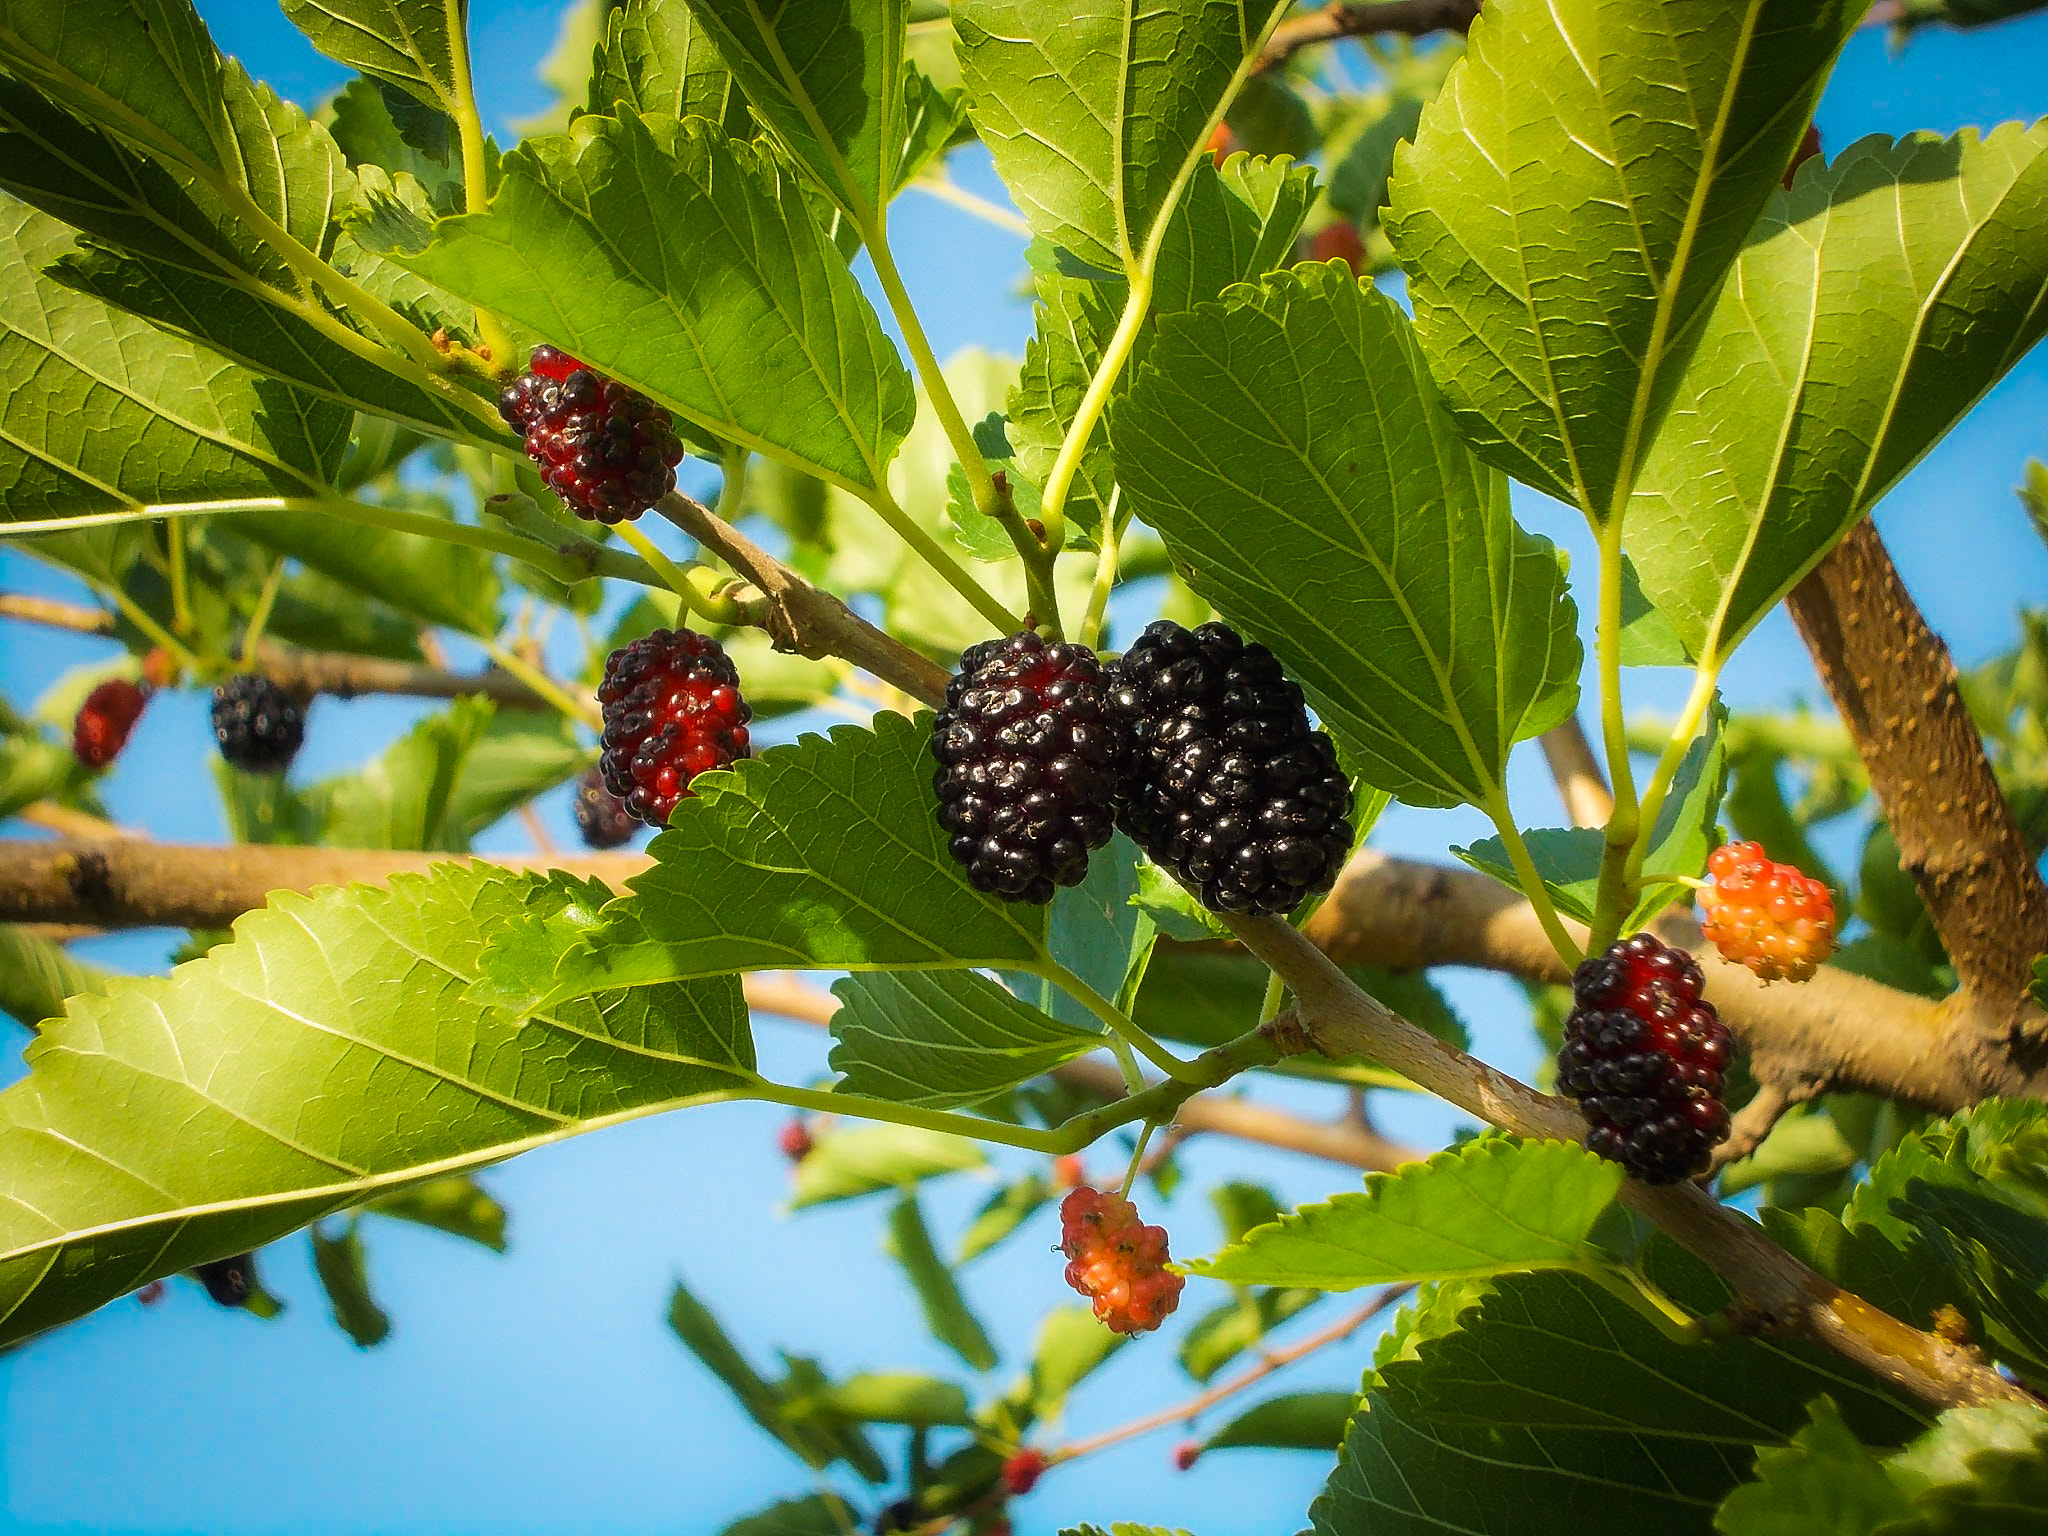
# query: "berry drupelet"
(1645, 1055)
(1027, 765)
(1118, 1263)
(1225, 782)
(672, 710)
(105, 720)
(1766, 915)
(601, 816)
(607, 450)
(258, 726)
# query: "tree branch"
(1776, 1292)
(1588, 802)
(802, 618)
(1364, 18)
(1894, 684)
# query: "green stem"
(1531, 881)
(476, 194)
(1612, 899)
(1683, 731)
(1276, 992)
(1120, 1023)
(732, 484)
(1137, 1158)
(265, 601)
(693, 581)
(563, 554)
(1643, 1298)
(1059, 481)
(949, 570)
(828, 1101)
(539, 683)
(1105, 572)
(181, 597)
(988, 500)
(139, 617)
(968, 202)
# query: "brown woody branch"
(1775, 1291)
(1366, 18)
(802, 618)
(1835, 1032)
(1894, 684)
(1339, 1141)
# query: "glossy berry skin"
(1026, 765)
(672, 710)
(1766, 915)
(1117, 1262)
(1644, 1054)
(1023, 1470)
(1225, 783)
(258, 727)
(601, 816)
(607, 450)
(104, 721)
(230, 1282)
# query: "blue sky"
(541, 1390)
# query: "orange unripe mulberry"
(1766, 915)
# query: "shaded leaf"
(822, 1514)
(1300, 1421)
(1001, 1214)
(1230, 1328)
(943, 1038)
(762, 1401)
(1823, 1480)
(344, 1274)
(863, 1159)
(1346, 526)
(897, 1397)
(412, 44)
(656, 57)
(37, 975)
(946, 1313)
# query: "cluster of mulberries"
(606, 449)
(258, 726)
(1116, 1261)
(1194, 743)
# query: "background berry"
(672, 710)
(795, 1140)
(1225, 783)
(230, 1282)
(601, 816)
(1117, 1262)
(1765, 915)
(1644, 1054)
(606, 449)
(257, 725)
(1186, 1454)
(1023, 1470)
(109, 713)
(1027, 765)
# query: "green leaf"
(762, 1401)
(433, 579)
(1490, 1207)
(412, 44)
(1122, 1528)
(1071, 1346)
(1231, 1327)
(1173, 909)
(401, 797)
(326, 1056)
(1573, 198)
(1074, 320)
(1980, 1471)
(831, 84)
(190, 258)
(1568, 858)
(1876, 303)
(657, 57)
(1802, 1144)
(1557, 1398)
(1235, 224)
(364, 118)
(1301, 1421)
(946, 1313)
(1823, 1481)
(518, 756)
(458, 1206)
(1999, 1250)
(671, 258)
(897, 1397)
(1095, 111)
(37, 975)
(345, 1277)
(825, 854)
(942, 1039)
(822, 1514)
(100, 412)
(1097, 934)
(2039, 990)
(862, 1159)
(1347, 527)
(1001, 1214)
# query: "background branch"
(1412, 18)
(1893, 681)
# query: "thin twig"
(53, 613)
(1411, 18)
(1268, 1363)
(1588, 802)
